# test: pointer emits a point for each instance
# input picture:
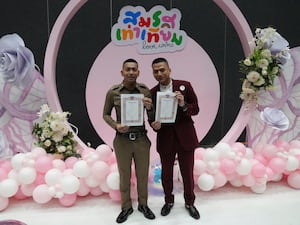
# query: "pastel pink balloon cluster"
(42, 177)
(242, 166)
(39, 175)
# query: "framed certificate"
(132, 109)
(166, 107)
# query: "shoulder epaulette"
(142, 85)
(116, 86)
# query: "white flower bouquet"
(261, 67)
(53, 134)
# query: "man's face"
(161, 72)
(130, 72)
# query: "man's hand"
(156, 125)
(122, 128)
(180, 98)
(147, 103)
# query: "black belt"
(133, 135)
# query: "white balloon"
(199, 167)
(223, 149)
(244, 167)
(40, 194)
(83, 190)
(27, 189)
(277, 177)
(210, 155)
(13, 174)
(69, 184)
(18, 160)
(53, 176)
(236, 182)
(81, 169)
(206, 182)
(92, 181)
(104, 187)
(8, 188)
(259, 189)
(26, 175)
(292, 163)
(100, 169)
(112, 181)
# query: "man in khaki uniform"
(130, 142)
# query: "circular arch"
(229, 8)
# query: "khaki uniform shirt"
(113, 100)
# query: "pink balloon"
(199, 167)
(269, 151)
(6, 165)
(248, 180)
(86, 151)
(133, 192)
(199, 152)
(3, 174)
(104, 152)
(59, 164)
(112, 159)
(38, 151)
(294, 180)
(40, 179)
(239, 147)
(115, 195)
(259, 157)
(83, 190)
(220, 180)
(27, 189)
(258, 170)
(96, 191)
(40, 194)
(43, 163)
(70, 161)
(227, 166)
(270, 174)
(19, 195)
(3, 203)
(68, 200)
(277, 165)
(259, 147)
(100, 169)
(282, 144)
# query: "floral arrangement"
(261, 67)
(53, 134)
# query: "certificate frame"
(132, 109)
(166, 107)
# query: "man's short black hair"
(130, 60)
(159, 60)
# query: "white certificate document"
(166, 107)
(132, 109)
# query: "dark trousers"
(186, 165)
(137, 151)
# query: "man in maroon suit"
(178, 138)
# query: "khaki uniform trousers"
(139, 151)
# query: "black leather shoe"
(146, 211)
(122, 217)
(193, 211)
(166, 209)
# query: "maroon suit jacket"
(183, 129)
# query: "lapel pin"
(182, 88)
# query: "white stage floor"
(278, 205)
